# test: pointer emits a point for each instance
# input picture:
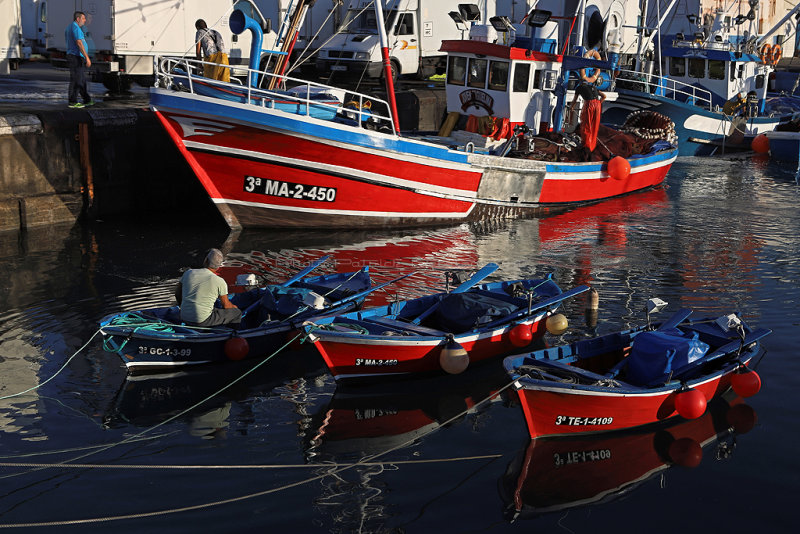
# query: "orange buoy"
(745, 382)
(686, 452)
(760, 144)
(619, 168)
(236, 348)
(521, 335)
(690, 403)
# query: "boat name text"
(278, 188)
(579, 421)
(372, 361)
(160, 351)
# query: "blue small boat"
(155, 339)
(784, 146)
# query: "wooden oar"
(541, 305)
(677, 318)
(313, 265)
(370, 290)
(487, 269)
(723, 351)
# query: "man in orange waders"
(590, 116)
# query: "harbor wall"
(58, 166)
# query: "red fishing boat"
(440, 332)
(635, 377)
(311, 155)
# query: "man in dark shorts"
(199, 289)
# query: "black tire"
(116, 83)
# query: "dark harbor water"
(284, 450)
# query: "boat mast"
(387, 63)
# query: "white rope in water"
(135, 437)
(337, 468)
(57, 372)
(244, 466)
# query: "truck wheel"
(116, 83)
(395, 71)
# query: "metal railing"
(666, 87)
(363, 109)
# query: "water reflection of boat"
(145, 400)
(369, 420)
(562, 473)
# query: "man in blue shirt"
(78, 60)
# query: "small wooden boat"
(442, 331)
(635, 377)
(554, 475)
(156, 339)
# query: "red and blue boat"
(155, 339)
(635, 377)
(295, 157)
(441, 332)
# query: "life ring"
(765, 53)
(593, 78)
(777, 52)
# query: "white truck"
(415, 28)
(10, 35)
(123, 36)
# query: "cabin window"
(549, 79)
(522, 76)
(697, 67)
(405, 24)
(677, 66)
(759, 81)
(537, 79)
(733, 72)
(716, 69)
(741, 71)
(457, 70)
(498, 76)
(477, 73)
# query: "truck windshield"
(363, 21)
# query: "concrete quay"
(113, 159)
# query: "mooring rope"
(338, 468)
(57, 372)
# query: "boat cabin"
(720, 62)
(516, 82)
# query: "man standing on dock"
(78, 60)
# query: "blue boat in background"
(713, 85)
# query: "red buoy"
(760, 144)
(521, 335)
(236, 348)
(690, 403)
(745, 382)
(742, 418)
(686, 452)
(619, 168)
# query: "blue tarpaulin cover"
(655, 354)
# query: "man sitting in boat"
(198, 291)
(590, 116)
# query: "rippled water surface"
(282, 449)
